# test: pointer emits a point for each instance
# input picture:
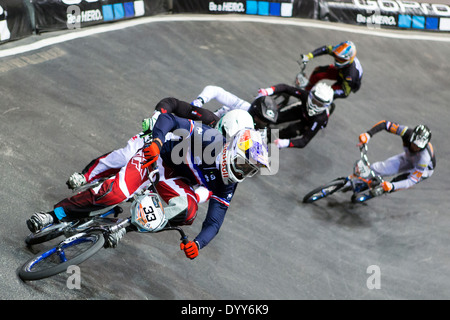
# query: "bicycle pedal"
(117, 210)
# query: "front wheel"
(325, 190)
(72, 251)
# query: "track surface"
(66, 104)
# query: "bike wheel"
(324, 191)
(49, 233)
(71, 251)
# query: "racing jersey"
(310, 125)
(192, 150)
(422, 163)
(349, 77)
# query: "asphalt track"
(66, 103)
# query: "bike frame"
(82, 231)
(364, 178)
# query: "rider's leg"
(223, 97)
(179, 195)
(391, 166)
(323, 72)
(105, 165)
(129, 180)
(186, 110)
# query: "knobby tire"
(30, 270)
(324, 191)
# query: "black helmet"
(421, 136)
(265, 109)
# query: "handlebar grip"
(184, 239)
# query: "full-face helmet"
(344, 53)
(319, 99)
(233, 121)
(243, 156)
(421, 136)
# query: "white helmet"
(319, 99)
(243, 156)
(233, 121)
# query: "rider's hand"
(151, 153)
(265, 92)
(363, 138)
(387, 186)
(282, 143)
(306, 57)
(198, 102)
(149, 123)
(190, 249)
(202, 194)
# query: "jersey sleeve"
(322, 50)
(217, 208)
(389, 126)
(292, 91)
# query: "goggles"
(243, 168)
(315, 106)
(421, 141)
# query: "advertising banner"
(388, 13)
(418, 15)
(280, 8)
(15, 20)
(72, 14)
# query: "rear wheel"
(325, 190)
(72, 251)
(48, 233)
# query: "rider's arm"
(320, 51)
(291, 90)
(389, 126)
(168, 123)
(217, 208)
(213, 222)
(305, 138)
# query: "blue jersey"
(193, 149)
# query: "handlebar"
(127, 222)
(153, 176)
(302, 65)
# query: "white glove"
(202, 194)
(282, 143)
(76, 180)
(265, 92)
(198, 102)
(220, 112)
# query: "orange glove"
(190, 249)
(364, 138)
(151, 153)
(387, 186)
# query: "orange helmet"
(344, 53)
